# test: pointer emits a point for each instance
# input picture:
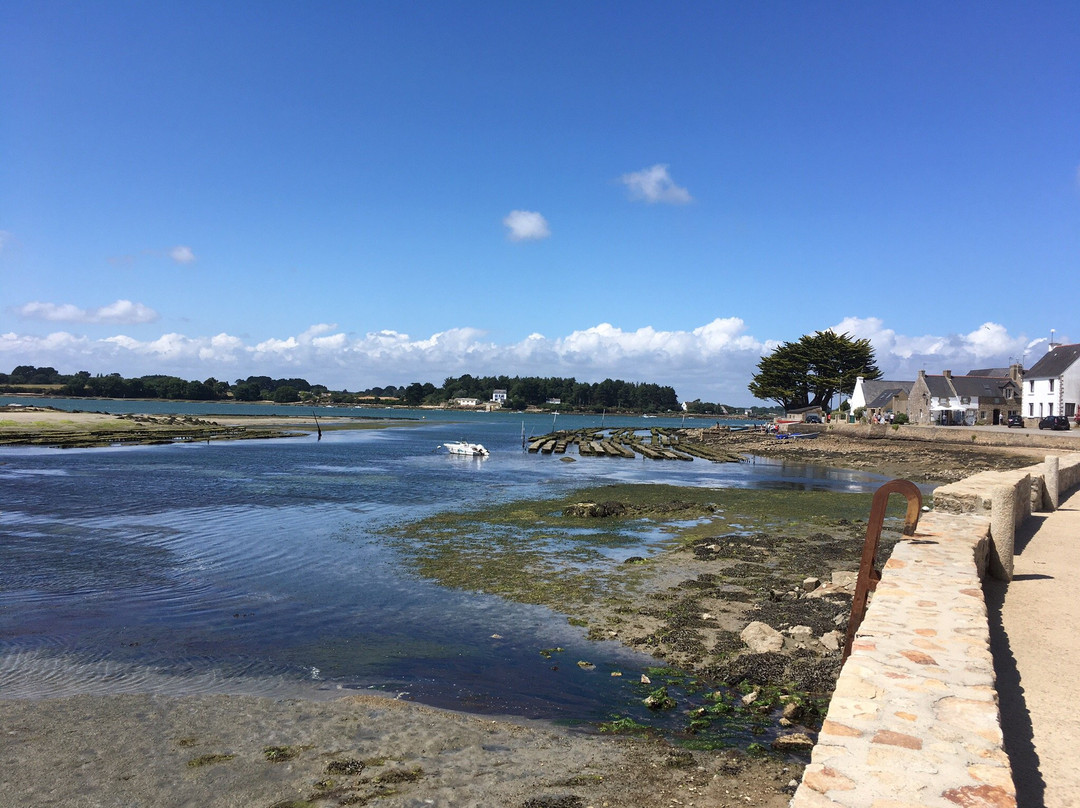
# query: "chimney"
(947, 374)
(922, 375)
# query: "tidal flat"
(677, 572)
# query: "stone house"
(878, 396)
(949, 400)
(1052, 385)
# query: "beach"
(228, 749)
(140, 750)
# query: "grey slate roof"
(885, 398)
(1000, 372)
(1054, 363)
(980, 386)
(873, 389)
(939, 387)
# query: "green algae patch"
(209, 760)
(548, 552)
(281, 754)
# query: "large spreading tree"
(808, 373)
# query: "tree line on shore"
(802, 374)
(566, 394)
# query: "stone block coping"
(914, 719)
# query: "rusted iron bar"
(868, 572)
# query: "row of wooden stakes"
(659, 444)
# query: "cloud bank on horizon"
(713, 362)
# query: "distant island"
(552, 394)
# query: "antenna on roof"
(1052, 344)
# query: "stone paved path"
(1035, 638)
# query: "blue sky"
(373, 193)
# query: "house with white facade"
(498, 397)
(949, 400)
(1052, 385)
(879, 395)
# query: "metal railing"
(868, 572)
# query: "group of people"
(882, 418)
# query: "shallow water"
(259, 567)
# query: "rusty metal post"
(868, 573)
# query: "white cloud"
(181, 254)
(526, 225)
(901, 356)
(655, 185)
(122, 312)
(713, 362)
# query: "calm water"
(259, 567)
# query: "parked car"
(812, 419)
(1054, 422)
(1015, 420)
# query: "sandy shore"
(37, 426)
(157, 751)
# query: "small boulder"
(845, 580)
(762, 638)
(793, 742)
(810, 584)
(831, 640)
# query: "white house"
(498, 397)
(1052, 385)
(866, 392)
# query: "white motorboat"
(460, 447)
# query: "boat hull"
(468, 449)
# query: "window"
(943, 401)
(1051, 385)
(1032, 388)
(1031, 410)
(1008, 393)
(965, 399)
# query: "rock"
(660, 700)
(751, 697)
(762, 638)
(831, 640)
(800, 632)
(793, 711)
(810, 584)
(793, 742)
(845, 580)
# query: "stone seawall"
(966, 436)
(914, 719)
